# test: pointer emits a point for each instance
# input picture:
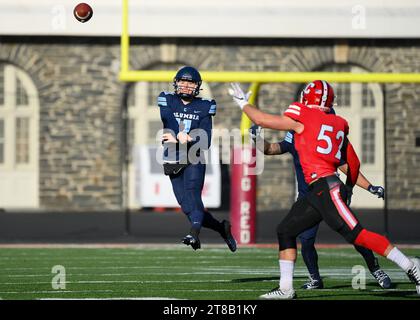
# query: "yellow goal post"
(255, 78)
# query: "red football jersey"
(319, 145)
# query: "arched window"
(19, 141)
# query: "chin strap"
(186, 97)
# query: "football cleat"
(414, 273)
(313, 284)
(227, 236)
(383, 279)
(194, 242)
(278, 294)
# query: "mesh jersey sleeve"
(346, 128)
(353, 164)
(348, 151)
(166, 114)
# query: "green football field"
(177, 272)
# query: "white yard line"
(117, 281)
(196, 290)
(116, 298)
(136, 291)
(56, 291)
(168, 246)
(344, 273)
(112, 260)
(227, 269)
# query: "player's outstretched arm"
(272, 121)
(262, 144)
(364, 183)
(260, 118)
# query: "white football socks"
(400, 259)
(286, 274)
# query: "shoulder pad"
(210, 104)
(294, 111)
(213, 107)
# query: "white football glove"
(238, 95)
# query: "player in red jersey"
(321, 142)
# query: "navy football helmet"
(190, 74)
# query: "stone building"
(67, 123)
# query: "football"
(83, 12)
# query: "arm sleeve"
(352, 161)
(166, 114)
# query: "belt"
(331, 180)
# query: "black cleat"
(383, 279)
(192, 241)
(227, 236)
(313, 284)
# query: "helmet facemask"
(188, 92)
(190, 75)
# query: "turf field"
(178, 272)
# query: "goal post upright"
(245, 121)
(125, 42)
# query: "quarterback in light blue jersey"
(187, 123)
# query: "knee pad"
(285, 239)
(372, 241)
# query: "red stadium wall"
(243, 195)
